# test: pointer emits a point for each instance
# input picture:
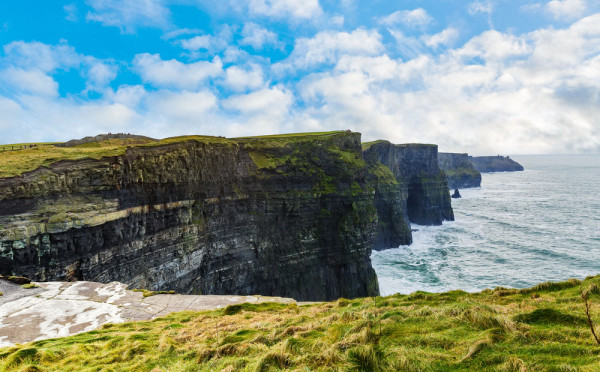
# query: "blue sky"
(484, 77)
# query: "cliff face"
(460, 171)
(421, 193)
(290, 216)
(487, 164)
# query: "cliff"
(289, 216)
(487, 164)
(460, 170)
(420, 196)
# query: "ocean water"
(517, 230)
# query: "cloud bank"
(397, 78)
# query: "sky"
(477, 76)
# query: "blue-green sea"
(517, 230)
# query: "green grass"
(148, 293)
(543, 328)
(14, 163)
(292, 135)
(30, 286)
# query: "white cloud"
(268, 100)
(72, 12)
(328, 46)
(239, 79)
(447, 37)
(180, 32)
(29, 82)
(258, 37)
(175, 74)
(534, 93)
(294, 9)
(43, 57)
(498, 93)
(99, 74)
(410, 18)
(129, 14)
(185, 105)
(208, 44)
(494, 46)
(408, 46)
(264, 111)
(483, 6)
(30, 67)
(566, 9)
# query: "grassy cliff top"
(368, 145)
(15, 162)
(543, 328)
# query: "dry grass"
(539, 329)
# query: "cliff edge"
(289, 215)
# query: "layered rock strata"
(460, 171)
(420, 194)
(284, 216)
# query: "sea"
(518, 229)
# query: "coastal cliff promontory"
(488, 164)
(459, 169)
(287, 215)
(421, 192)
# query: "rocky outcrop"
(488, 164)
(285, 216)
(460, 171)
(104, 137)
(421, 194)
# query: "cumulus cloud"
(240, 79)
(128, 15)
(509, 101)
(29, 82)
(210, 44)
(446, 37)
(258, 37)
(39, 56)
(566, 9)
(30, 68)
(294, 9)
(498, 92)
(175, 74)
(182, 105)
(264, 111)
(328, 46)
(410, 18)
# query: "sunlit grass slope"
(14, 163)
(543, 328)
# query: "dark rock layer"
(291, 217)
(460, 171)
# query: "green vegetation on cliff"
(543, 328)
(14, 163)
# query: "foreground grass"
(543, 328)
